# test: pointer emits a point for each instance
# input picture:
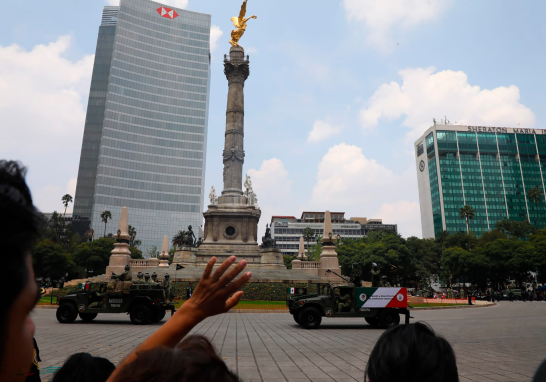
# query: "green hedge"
(254, 291)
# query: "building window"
(420, 149)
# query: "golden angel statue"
(240, 24)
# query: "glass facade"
(488, 169)
(154, 123)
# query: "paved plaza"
(502, 343)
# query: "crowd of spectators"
(403, 353)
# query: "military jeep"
(380, 307)
(144, 303)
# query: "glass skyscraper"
(488, 168)
(145, 136)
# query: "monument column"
(236, 69)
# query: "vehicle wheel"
(388, 318)
(373, 321)
(88, 316)
(310, 318)
(66, 313)
(158, 315)
(140, 315)
(296, 317)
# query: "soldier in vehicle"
(154, 277)
(147, 278)
(384, 282)
(103, 299)
(167, 285)
(356, 275)
(375, 276)
(125, 276)
(140, 278)
(344, 305)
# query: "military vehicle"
(144, 303)
(380, 307)
(516, 293)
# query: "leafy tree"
(308, 234)
(132, 233)
(488, 237)
(58, 231)
(136, 253)
(314, 252)
(50, 260)
(451, 263)
(66, 199)
(441, 237)
(515, 229)
(535, 195)
(105, 215)
(467, 212)
(94, 255)
(179, 239)
(172, 251)
(152, 252)
(288, 261)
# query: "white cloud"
(42, 114)
(173, 3)
(348, 181)
(215, 34)
(425, 94)
(272, 185)
(404, 213)
(322, 130)
(381, 17)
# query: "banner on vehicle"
(381, 297)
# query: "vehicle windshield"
(325, 289)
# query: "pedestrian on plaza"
(83, 367)
(189, 291)
(469, 293)
(411, 353)
(511, 295)
(21, 226)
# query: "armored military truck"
(144, 303)
(380, 307)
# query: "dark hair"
(194, 359)
(20, 228)
(83, 367)
(412, 353)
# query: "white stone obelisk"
(301, 252)
(328, 257)
(164, 256)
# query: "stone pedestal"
(187, 257)
(329, 260)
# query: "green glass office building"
(488, 168)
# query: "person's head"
(167, 276)
(127, 268)
(20, 228)
(411, 353)
(146, 276)
(140, 275)
(83, 367)
(194, 359)
(154, 276)
(374, 265)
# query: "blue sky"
(338, 92)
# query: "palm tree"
(132, 233)
(308, 234)
(179, 239)
(105, 216)
(467, 212)
(535, 195)
(441, 237)
(66, 199)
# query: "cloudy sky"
(339, 90)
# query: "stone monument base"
(266, 258)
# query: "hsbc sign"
(167, 12)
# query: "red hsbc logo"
(167, 12)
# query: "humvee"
(380, 307)
(144, 303)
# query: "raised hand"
(212, 294)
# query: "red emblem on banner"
(167, 12)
